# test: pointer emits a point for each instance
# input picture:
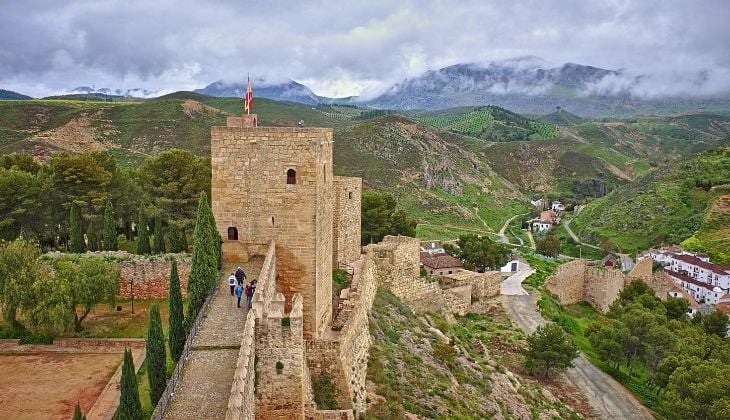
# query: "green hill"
(713, 236)
(562, 118)
(665, 206)
(488, 122)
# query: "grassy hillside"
(664, 206)
(477, 375)
(488, 122)
(436, 176)
(713, 236)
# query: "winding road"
(502, 237)
(607, 397)
(566, 225)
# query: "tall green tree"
(92, 242)
(130, 407)
(83, 178)
(173, 180)
(143, 234)
(21, 204)
(380, 218)
(76, 235)
(79, 285)
(20, 269)
(176, 240)
(110, 228)
(715, 323)
(156, 357)
(548, 246)
(549, 348)
(480, 252)
(158, 245)
(203, 269)
(177, 321)
(699, 391)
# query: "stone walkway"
(206, 381)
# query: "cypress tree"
(78, 415)
(129, 406)
(76, 235)
(177, 321)
(110, 228)
(175, 240)
(143, 235)
(203, 269)
(158, 246)
(91, 240)
(156, 357)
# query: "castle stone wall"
(250, 193)
(241, 401)
(568, 282)
(346, 219)
(602, 286)
(482, 285)
(280, 393)
(642, 270)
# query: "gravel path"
(608, 398)
(206, 381)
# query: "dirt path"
(502, 236)
(566, 225)
(532, 240)
(607, 397)
(206, 381)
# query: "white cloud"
(343, 47)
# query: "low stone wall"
(241, 402)
(150, 274)
(121, 343)
(481, 285)
(151, 278)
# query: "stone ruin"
(580, 280)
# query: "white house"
(515, 265)
(558, 207)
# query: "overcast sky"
(343, 47)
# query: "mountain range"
(526, 85)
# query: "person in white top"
(232, 282)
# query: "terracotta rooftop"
(440, 261)
(715, 268)
(547, 216)
(689, 279)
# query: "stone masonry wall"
(241, 401)
(602, 286)
(280, 392)
(151, 278)
(568, 282)
(483, 285)
(250, 193)
(642, 270)
(398, 261)
(346, 220)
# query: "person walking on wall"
(232, 282)
(239, 293)
(249, 294)
(240, 275)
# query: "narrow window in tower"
(272, 220)
(291, 177)
(349, 195)
(324, 172)
(232, 234)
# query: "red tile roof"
(690, 259)
(440, 261)
(689, 279)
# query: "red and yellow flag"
(248, 98)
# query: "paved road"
(607, 397)
(512, 285)
(206, 380)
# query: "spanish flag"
(248, 98)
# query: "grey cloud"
(173, 44)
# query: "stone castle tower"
(277, 183)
